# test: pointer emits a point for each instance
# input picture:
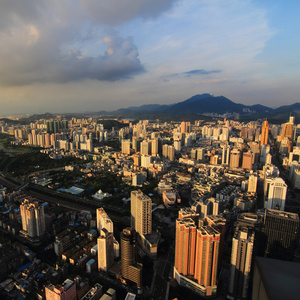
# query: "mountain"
(192, 107)
(205, 103)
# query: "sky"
(64, 56)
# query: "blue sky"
(86, 55)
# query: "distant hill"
(205, 103)
(191, 109)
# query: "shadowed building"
(130, 269)
(281, 230)
(241, 259)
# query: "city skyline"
(81, 56)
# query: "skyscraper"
(288, 130)
(264, 133)
(105, 244)
(154, 147)
(33, 218)
(196, 256)
(141, 212)
(185, 246)
(130, 269)
(103, 221)
(241, 259)
(235, 157)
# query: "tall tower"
(141, 212)
(105, 244)
(264, 133)
(154, 147)
(185, 246)
(241, 258)
(103, 221)
(129, 268)
(206, 262)
(183, 127)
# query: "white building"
(104, 221)
(276, 194)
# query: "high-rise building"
(177, 145)
(288, 131)
(165, 148)
(185, 246)
(276, 194)
(130, 269)
(183, 127)
(206, 207)
(105, 244)
(235, 157)
(206, 261)
(241, 259)
(196, 256)
(252, 183)
(137, 160)
(218, 222)
(104, 221)
(200, 154)
(281, 231)
(141, 212)
(154, 147)
(126, 147)
(225, 154)
(145, 148)
(171, 152)
(264, 133)
(247, 160)
(33, 218)
(66, 291)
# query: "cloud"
(114, 12)
(188, 74)
(41, 43)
